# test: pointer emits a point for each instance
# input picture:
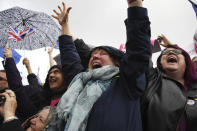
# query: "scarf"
(76, 103)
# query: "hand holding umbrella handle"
(62, 18)
(8, 53)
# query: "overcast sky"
(101, 22)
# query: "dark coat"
(118, 108)
(165, 101)
(28, 97)
(33, 80)
(31, 98)
(13, 125)
(83, 50)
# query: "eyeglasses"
(40, 118)
(176, 51)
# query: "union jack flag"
(16, 36)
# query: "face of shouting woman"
(173, 61)
(55, 80)
(100, 58)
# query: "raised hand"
(132, 3)
(62, 17)
(165, 42)
(50, 50)
(26, 62)
(9, 107)
(7, 52)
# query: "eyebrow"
(54, 70)
(42, 118)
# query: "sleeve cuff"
(137, 13)
(11, 118)
(65, 39)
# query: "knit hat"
(113, 52)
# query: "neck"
(176, 76)
(59, 93)
(56, 96)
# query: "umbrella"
(56, 45)
(16, 56)
(25, 29)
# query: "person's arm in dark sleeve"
(31, 77)
(71, 63)
(70, 60)
(33, 80)
(138, 52)
(13, 75)
(83, 50)
(13, 125)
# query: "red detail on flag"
(17, 36)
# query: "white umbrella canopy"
(26, 29)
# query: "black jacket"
(165, 101)
(13, 125)
(118, 108)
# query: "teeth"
(52, 80)
(96, 64)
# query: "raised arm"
(70, 60)
(51, 60)
(164, 41)
(12, 73)
(31, 77)
(27, 65)
(138, 50)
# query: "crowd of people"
(102, 88)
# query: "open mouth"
(96, 65)
(172, 60)
(52, 80)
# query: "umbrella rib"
(30, 16)
(20, 13)
(40, 31)
(41, 22)
(36, 38)
(19, 24)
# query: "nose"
(33, 120)
(51, 74)
(96, 55)
(171, 52)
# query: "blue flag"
(194, 4)
(15, 55)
